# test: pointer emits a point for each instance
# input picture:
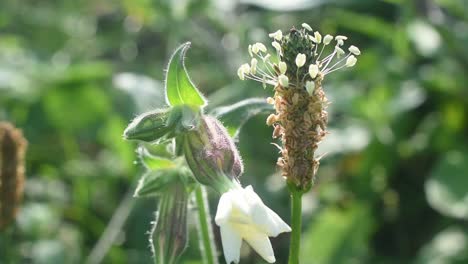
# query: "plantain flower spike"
(12, 151)
(305, 58)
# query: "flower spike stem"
(208, 247)
(296, 225)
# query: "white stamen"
(313, 70)
(354, 50)
(300, 60)
(278, 35)
(283, 80)
(306, 26)
(282, 67)
(351, 61)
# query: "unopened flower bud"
(212, 155)
(150, 126)
(169, 235)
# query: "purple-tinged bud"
(169, 234)
(212, 155)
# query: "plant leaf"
(234, 116)
(179, 88)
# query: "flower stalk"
(296, 226)
(207, 244)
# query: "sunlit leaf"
(179, 88)
(234, 116)
(446, 189)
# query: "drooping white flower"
(351, 61)
(283, 80)
(300, 60)
(278, 35)
(313, 70)
(354, 50)
(242, 216)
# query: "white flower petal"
(261, 244)
(231, 243)
(276, 225)
(224, 211)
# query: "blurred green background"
(392, 188)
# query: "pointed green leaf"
(234, 116)
(179, 88)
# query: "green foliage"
(398, 122)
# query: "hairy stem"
(296, 224)
(208, 247)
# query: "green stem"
(208, 247)
(296, 225)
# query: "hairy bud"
(12, 151)
(212, 155)
(162, 123)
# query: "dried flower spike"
(12, 151)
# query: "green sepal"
(180, 90)
(153, 183)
